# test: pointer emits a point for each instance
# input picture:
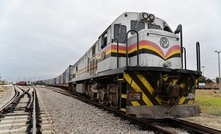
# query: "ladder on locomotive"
(123, 86)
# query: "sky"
(39, 39)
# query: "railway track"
(150, 124)
(192, 127)
(24, 114)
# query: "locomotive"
(137, 65)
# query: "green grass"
(209, 101)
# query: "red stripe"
(105, 50)
(149, 43)
(142, 43)
(114, 46)
(173, 48)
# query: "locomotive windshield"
(136, 25)
(152, 26)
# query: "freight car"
(137, 65)
(21, 83)
(62, 80)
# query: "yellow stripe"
(132, 50)
(182, 85)
(191, 102)
(107, 52)
(174, 81)
(165, 77)
(124, 96)
(137, 89)
(146, 47)
(148, 86)
(141, 47)
(119, 51)
(123, 109)
(153, 49)
(172, 53)
(196, 81)
(135, 103)
(182, 99)
(146, 83)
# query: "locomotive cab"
(158, 44)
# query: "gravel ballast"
(73, 116)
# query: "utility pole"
(203, 69)
(219, 69)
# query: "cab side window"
(104, 42)
(105, 38)
(120, 32)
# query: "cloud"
(41, 38)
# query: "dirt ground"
(3, 89)
(206, 120)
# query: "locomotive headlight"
(145, 15)
(151, 17)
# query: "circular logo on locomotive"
(103, 55)
(164, 42)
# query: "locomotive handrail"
(137, 47)
(117, 51)
(198, 56)
(184, 50)
(163, 35)
(117, 39)
(179, 30)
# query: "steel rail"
(30, 102)
(7, 104)
(193, 127)
(15, 99)
(15, 95)
(34, 113)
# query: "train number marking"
(135, 96)
(190, 96)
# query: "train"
(138, 66)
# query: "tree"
(203, 79)
(217, 79)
